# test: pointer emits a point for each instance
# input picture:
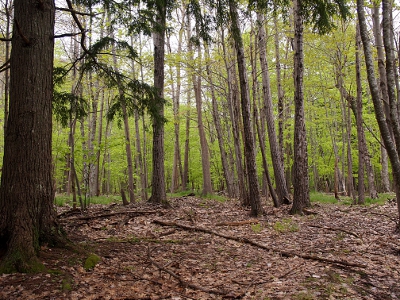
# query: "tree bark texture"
(301, 196)
(379, 111)
(158, 192)
(27, 188)
(249, 145)
(281, 187)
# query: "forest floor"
(205, 249)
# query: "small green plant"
(256, 228)
(286, 225)
(66, 285)
(304, 296)
(91, 262)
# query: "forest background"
(102, 133)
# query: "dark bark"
(27, 187)
(249, 145)
(158, 192)
(301, 195)
(281, 187)
(379, 111)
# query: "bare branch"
(75, 12)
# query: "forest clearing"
(208, 249)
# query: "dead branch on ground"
(336, 229)
(268, 248)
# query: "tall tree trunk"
(301, 195)
(205, 155)
(217, 122)
(128, 150)
(158, 192)
(360, 129)
(281, 95)
(185, 175)
(8, 10)
(379, 111)
(141, 154)
(27, 187)
(281, 187)
(234, 117)
(255, 202)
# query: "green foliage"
(286, 225)
(256, 228)
(91, 262)
(67, 106)
(66, 285)
(323, 198)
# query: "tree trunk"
(281, 95)
(205, 156)
(281, 187)
(8, 7)
(379, 111)
(360, 129)
(301, 196)
(129, 160)
(27, 187)
(158, 192)
(255, 202)
(234, 117)
(217, 122)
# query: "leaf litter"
(205, 249)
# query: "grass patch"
(286, 225)
(317, 197)
(256, 228)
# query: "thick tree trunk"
(281, 187)
(27, 217)
(158, 192)
(255, 202)
(301, 195)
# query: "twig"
(240, 223)
(183, 282)
(74, 11)
(66, 35)
(336, 229)
(253, 243)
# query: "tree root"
(268, 248)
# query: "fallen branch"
(113, 214)
(336, 229)
(183, 282)
(240, 223)
(259, 245)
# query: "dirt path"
(203, 249)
